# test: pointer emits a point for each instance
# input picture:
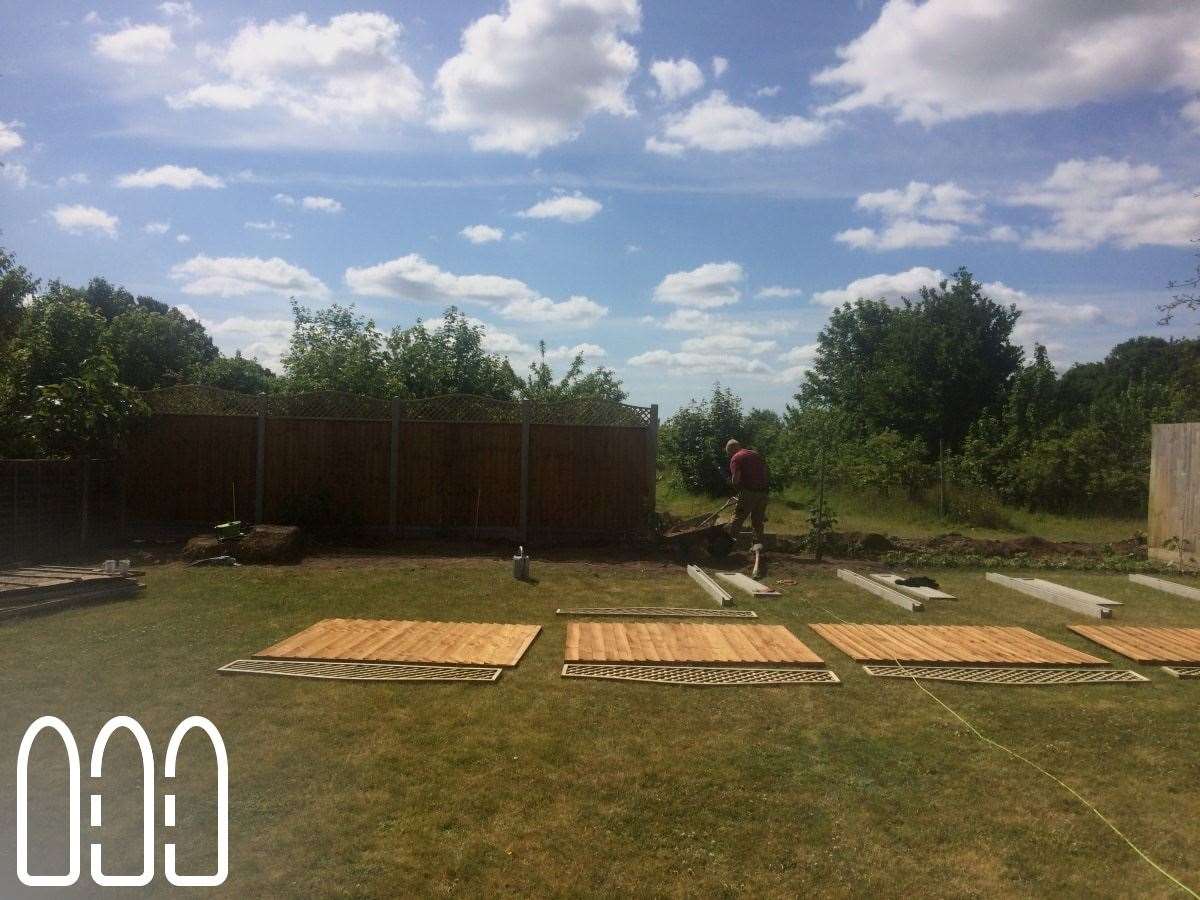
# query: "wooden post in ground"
(652, 462)
(820, 523)
(526, 416)
(394, 471)
(260, 461)
(941, 479)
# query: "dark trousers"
(753, 504)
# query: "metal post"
(394, 470)
(260, 462)
(526, 415)
(652, 460)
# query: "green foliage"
(16, 285)
(85, 415)
(926, 369)
(693, 441)
(539, 384)
(821, 521)
(236, 373)
(335, 349)
(154, 349)
(425, 361)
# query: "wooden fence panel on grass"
(1174, 517)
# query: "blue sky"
(681, 190)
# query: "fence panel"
(53, 508)
(1174, 516)
(461, 475)
(314, 464)
(587, 478)
(187, 468)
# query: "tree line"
(72, 360)
(902, 396)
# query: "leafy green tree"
(335, 349)
(84, 415)
(926, 368)
(154, 349)
(540, 383)
(427, 361)
(236, 373)
(694, 441)
(16, 287)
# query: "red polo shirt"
(748, 470)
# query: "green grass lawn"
(899, 516)
(540, 786)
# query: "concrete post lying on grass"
(879, 590)
(1059, 598)
(710, 587)
(1171, 587)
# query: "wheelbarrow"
(710, 531)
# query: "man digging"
(748, 474)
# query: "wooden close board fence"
(460, 466)
(1173, 528)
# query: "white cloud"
(527, 78)
(156, 227)
(265, 340)
(15, 174)
(81, 219)
(702, 321)
(919, 215)
(348, 72)
(482, 234)
(899, 234)
(272, 229)
(719, 126)
(1191, 114)
(884, 287)
(577, 311)
(945, 202)
(321, 204)
(9, 139)
(413, 278)
(949, 59)
(778, 292)
(728, 343)
(708, 286)
(183, 238)
(720, 65)
(590, 352)
(1101, 200)
(572, 208)
(238, 276)
(705, 363)
(1003, 234)
(633, 248)
(74, 178)
(664, 148)
(135, 45)
(795, 363)
(285, 199)
(184, 11)
(177, 177)
(771, 90)
(676, 77)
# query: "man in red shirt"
(748, 473)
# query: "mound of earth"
(271, 544)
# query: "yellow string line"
(1015, 755)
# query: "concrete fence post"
(526, 417)
(652, 460)
(394, 471)
(260, 462)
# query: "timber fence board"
(1173, 526)
(443, 465)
